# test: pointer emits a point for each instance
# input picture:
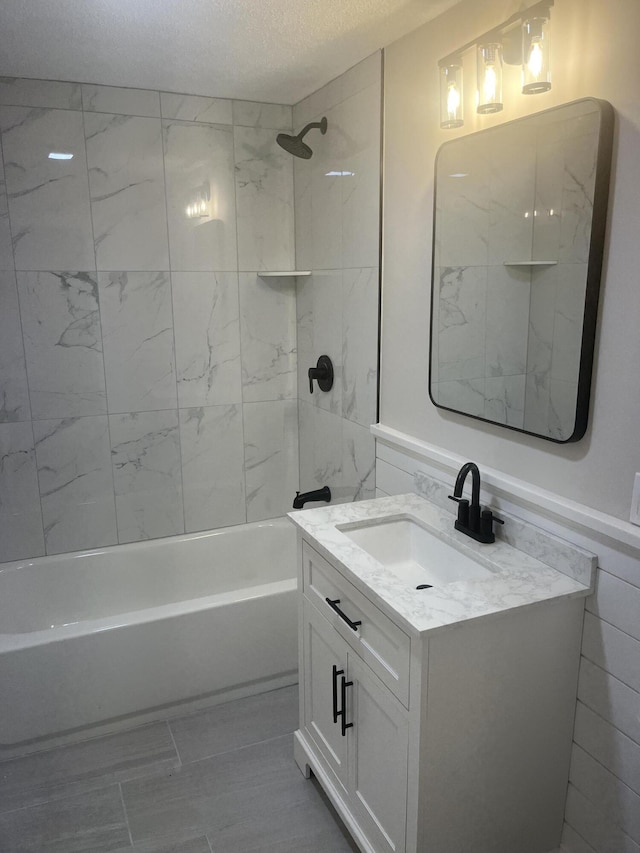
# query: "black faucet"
(472, 519)
(323, 494)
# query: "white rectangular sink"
(409, 551)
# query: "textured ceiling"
(262, 50)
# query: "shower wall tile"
(316, 104)
(199, 160)
(63, 343)
(76, 484)
(504, 399)
(542, 307)
(360, 345)
(14, 391)
(321, 334)
(145, 451)
(361, 76)
(460, 301)
(264, 197)
(271, 457)
(571, 282)
(326, 193)
(252, 114)
(320, 437)
(111, 99)
(508, 294)
(562, 408)
(577, 192)
(207, 336)
(512, 200)
(268, 339)
(464, 394)
(126, 181)
(21, 533)
(536, 403)
(137, 328)
(358, 463)
(196, 108)
(6, 249)
(20, 91)
(303, 214)
(360, 181)
(212, 446)
(48, 199)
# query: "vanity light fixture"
(521, 40)
(451, 95)
(489, 70)
(536, 73)
(198, 208)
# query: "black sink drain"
(424, 586)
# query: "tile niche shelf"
(284, 274)
(530, 263)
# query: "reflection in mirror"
(518, 239)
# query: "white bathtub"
(92, 637)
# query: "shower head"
(294, 144)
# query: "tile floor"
(218, 781)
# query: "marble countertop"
(518, 579)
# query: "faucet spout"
(323, 494)
(472, 519)
(468, 467)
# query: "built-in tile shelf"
(530, 263)
(284, 274)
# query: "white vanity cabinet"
(453, 741)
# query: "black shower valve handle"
(322, 373)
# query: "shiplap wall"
(603, 797)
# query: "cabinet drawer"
(377, 640)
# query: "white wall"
(594, 53)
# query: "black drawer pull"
(343, 699)
(333, 604)
(336, 673)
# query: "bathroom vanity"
(438, 676)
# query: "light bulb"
(536, 73)
(451, 96)
(535, 59)
(489, 75)
(453, 100)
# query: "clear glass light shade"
(489, 66)
(451, 96)
(536, 71)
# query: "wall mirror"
(519, 224)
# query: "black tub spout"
(323, 494)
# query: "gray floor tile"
(88, 823)
(192, 845)
(257, 789)
(68, 770)
(236, 724)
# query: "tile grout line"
(173, 741)
(235, 749)
(126, 816)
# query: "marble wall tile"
(111, 99)
(460, 301)
(360, 345)
(48, 199)
(536, 405)
(303, 214)
(577, 194)
(268, 339)
(320, 437)
(6, 249)
(358, 463)
(466, 395)
(504, 399)
(361, 188)
(252, 114)
(126, 180)
(196, 108)
(145, 451)
(548, 194)
(325, 337)
(199, 160)
(507, 320)
(21, 533)
(562, 408)
(207, 336)
(76, 483)
(63, 343)
(271, 457)
(20, 91)
(542, 308)
(315, 105)
(326, 192)
(212, 445)
(137, 328)
(264, 198)
(14, 391)
(568, 321)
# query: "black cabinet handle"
(333, 604)
(336, 673)
(343, 701)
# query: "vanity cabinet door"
(325, 662)
(379, 742)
